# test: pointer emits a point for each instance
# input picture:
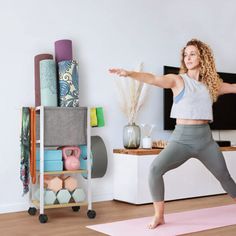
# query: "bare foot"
(155, 222)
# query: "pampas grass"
(132, 95)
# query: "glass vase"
(131, 136)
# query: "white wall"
(105, 33)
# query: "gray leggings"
(189, 141)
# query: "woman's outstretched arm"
(166, 81)
(226, 88)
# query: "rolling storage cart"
(61, 126)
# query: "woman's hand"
(172, 81)
(119, 72)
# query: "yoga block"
(64, 126)
(79, 195)
(70, 183)
(63, 196)
(50, 165)
(53, 183)
(49, 196)
(50, 155)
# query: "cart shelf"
(62, 126)
(37, 204)
(64, 172)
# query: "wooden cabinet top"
(141, 151)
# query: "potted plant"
(132, 97)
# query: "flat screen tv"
(224, 110)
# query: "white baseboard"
(15, 207)
(23, 206)
(102, 197)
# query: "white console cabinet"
(192, 179)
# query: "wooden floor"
(65, 222)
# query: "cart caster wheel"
(32, 211)
(43, 218)
(76, 208)
(91, 214)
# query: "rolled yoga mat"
(37, 59)
(98, 157)
(48, 83)
(99, 151)
(63, 50)
(68, 83)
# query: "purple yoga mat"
(37, 60)
(63, 50)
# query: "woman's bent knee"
(155, 170)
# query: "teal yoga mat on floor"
(48, 83)
(68, 83)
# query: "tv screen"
(224, 110)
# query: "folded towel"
(93, 117)
(100, 116)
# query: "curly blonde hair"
(208, 74)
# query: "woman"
(195, 89)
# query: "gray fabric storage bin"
(63, 126)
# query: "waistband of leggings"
(191, 126)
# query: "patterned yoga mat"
(68, 83)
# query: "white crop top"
(193, 102)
